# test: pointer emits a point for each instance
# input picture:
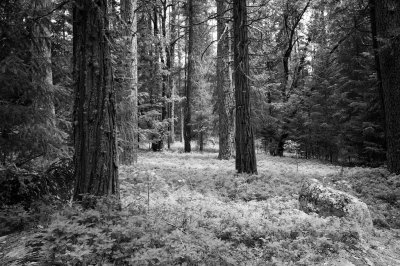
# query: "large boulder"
(325, 201)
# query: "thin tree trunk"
(171, 64)
(41, 54)
(223, 86)
(180, 91)
(201, 141)
(231, 100)
(245, 152)
(189, 80)
(387, 14)
(375, 45)
(95, 160)
(158, 145)
(129, 123)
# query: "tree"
(223, 88)
(387, 15)
(95, 159)
(41, 53)
(245, 152)
(189, 79)
(129, 119)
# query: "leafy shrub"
(29, 197)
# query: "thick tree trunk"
(245, 153)
(223, 86)
(41, 54)
(189, 81)
(387, 25)
(129, 124)
(95, 160)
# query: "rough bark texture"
(325, 201)
(223, 86)
(189, 81)
(387, 26)
(95, 160)
(129, 120)
(245, 152)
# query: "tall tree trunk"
(41, 54)
(223, 87)
(231, 100)
(95, 160)
(375, 45)
(189, 80)
(387, 26)
(164, 55)
(245, 152)
(170, 63)
(159, 84)
(129, 123)
(180, 90)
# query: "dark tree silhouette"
(190, 80)
(245, 152)
(387, 16)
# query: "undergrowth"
(205, 215)
(179, 209)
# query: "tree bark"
(375, 46)
(170, 65)
(189, 80)
(95, 159)
(245, 152)
(223, 86)
(129, 124)
(159, 79)
(387, 25)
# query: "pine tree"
(245, 152)
(129, 119)
(223, 86)
(189, 79)
(387, 27)
(95, 160)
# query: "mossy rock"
(326, 201)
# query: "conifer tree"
(95, 160)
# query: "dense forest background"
(312, 65)
(87, 86)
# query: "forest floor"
(193, 209)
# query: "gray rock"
(325, 201)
